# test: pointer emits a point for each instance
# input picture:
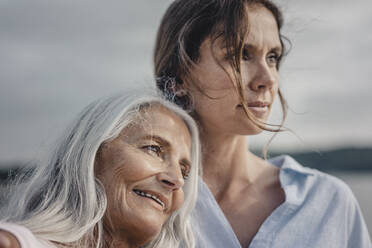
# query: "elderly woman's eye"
(152, 149)
(185, 170)
(246, 55)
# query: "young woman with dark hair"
(220, 60)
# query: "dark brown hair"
(186, 24)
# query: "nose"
(171, 179)
(264, 77)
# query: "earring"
(175, 93)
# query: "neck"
(120, 241)
(119, 244)
(227, 161)
(223, 153)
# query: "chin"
(250, 128)
(251, 131)
(151, 232)
(142, 233)
(256, 131)
(150, 228)
(139, 229)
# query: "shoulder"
(332, 187)
(313, 184)
(290, 165)
(343, 204)
(8, 240)
(325, 201)
(334, 184)
(17, 236)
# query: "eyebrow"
(277, 49)
(186, 162)
(157, 138)
(163, 142)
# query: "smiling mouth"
(150, 196)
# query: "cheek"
(116, 192)
(209, 100)
(274, 90)
(134, 168)
(276, 77)
(115, 183)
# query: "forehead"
(157, 120)
(262, 26)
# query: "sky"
(58, 56)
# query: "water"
(361, 185)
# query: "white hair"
(63, 202)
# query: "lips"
(256, 104)
(156, 197)
(259, 107)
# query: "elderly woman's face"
(143, 171)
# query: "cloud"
(57, 56)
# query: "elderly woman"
(124, 175)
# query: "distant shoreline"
(337, 160)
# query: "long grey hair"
(63, 202)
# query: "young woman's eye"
(185, 170)
(152, 149)
(273, 58)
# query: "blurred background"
(58, 56)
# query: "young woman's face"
(222, 111)
(143, 171)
